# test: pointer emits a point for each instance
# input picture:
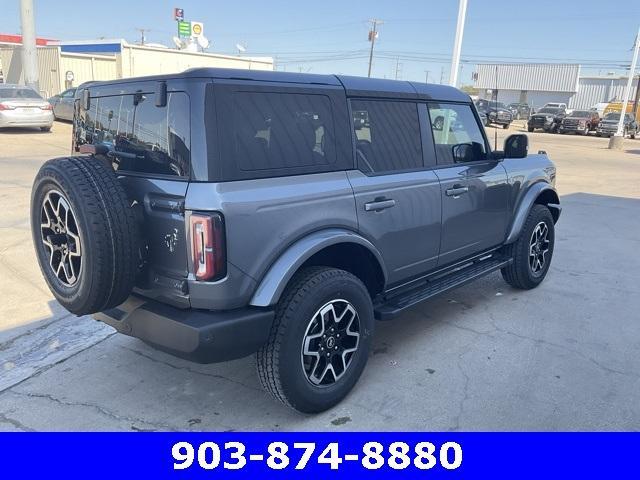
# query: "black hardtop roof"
(354, 86)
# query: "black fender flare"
(536, 191)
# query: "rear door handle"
(456, 191)
(379, 204)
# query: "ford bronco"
(219, 213)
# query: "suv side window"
(141, 137)
(387, 135)
(275, 131)
(454, 125)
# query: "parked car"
(219, 213)
(547, 119)
(555, 105)
(519, 110)
(22, 106)
(580, 121)
(609, 125)
(496, 112)
(63, 104)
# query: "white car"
(22, 106)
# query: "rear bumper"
(198, 335)
(9, 118)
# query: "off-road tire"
(519, 273)
(279, 362)
(107, 227)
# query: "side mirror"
(161, 94)
(466, 152)
(86, 100)
(516, 146)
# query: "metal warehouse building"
(537, 84)
(68, 64)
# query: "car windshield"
(550, 110)
(18, 93)
(581, 114)
(612, 116)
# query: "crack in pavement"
(191, 370)
(103, 411)
(12, 421)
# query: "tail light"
(207, 244)
(4, 106)
(47, 107)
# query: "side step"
(391, 306)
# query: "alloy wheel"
(539, 248)
(330, 342)
(60, 236)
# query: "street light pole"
(616, 141)
(29, 52)
(457, 44)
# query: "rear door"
(475, 190)
(64, 107)
(397, 193)
(149, 148)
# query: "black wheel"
(530, 129)
(319, 341)
(45, 129)
(85, 234)
(532, 251)
(505, 127)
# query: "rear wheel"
(84, 233)
(531, 253)
(45, 129)
(319, 341)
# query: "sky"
(329, 36)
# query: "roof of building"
(354, 86)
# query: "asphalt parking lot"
(485, 357)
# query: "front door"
(474, 187)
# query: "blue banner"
(299, 455)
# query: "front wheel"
(530, 129)
(531, 253)
(319, 341)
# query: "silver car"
(63, 104)
(21, 106)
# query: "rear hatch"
(149, 148)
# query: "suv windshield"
(581, 114)
(612, 116)
(550, 110)
(18, 93)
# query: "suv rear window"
(276, 131)
(141, 137)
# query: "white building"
(112, 59)
(537, 84)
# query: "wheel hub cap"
(60, 237)
(330, 342)
(539, 248)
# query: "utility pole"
(143, 39)
(426, 76)
(617, 140)
(29, 52)
(637, 99)
(398, 68)
(441, 75)
(457, 44)
(373, 35)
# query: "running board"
(394, 305)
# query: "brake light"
(4, 106)
(47, 107)
(207, 243)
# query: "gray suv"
(220, 213)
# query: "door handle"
(379, 204)
(456, 191)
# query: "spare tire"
(85, 234)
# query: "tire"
(46, 129)
(519, 273)
(530, 129)
(280, 362)
(85, 234)
(504, 127)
